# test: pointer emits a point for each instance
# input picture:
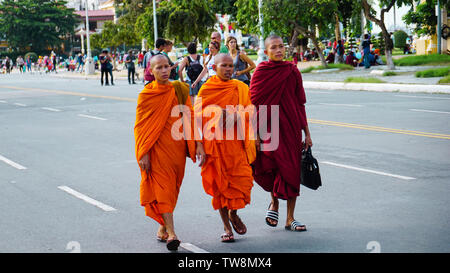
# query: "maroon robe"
(280, 83)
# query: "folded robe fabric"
(153, 135)
(280, 83)
(226, 174)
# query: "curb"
(378, 87)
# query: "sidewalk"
(405, 81)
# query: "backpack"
(194, 70)
(147, 75)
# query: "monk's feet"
(295, 225)
(227, 237)
(272, 214)
(237, 223)
(162, 234)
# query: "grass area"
(435, 72)
(364, 80)
(253, 57)
(432, 59)
(445, 80)
(330, 66)
(389, 73)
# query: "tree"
(424, 17)
(369, 13)
(36, 24)
(289, 18)
(400, 39)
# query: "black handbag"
(310, 175)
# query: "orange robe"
(153, 134)
(226, 174)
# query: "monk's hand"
(308, 142)
(200, 154)
(144, 163)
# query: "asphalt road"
(384, 159)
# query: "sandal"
(235, 227)
(161, 239)
(271, 214)
(294, 225)
(227, 237)
(173, 244)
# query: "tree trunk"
(319, 51)
(337, 27)
(388, 50)
(293, 43)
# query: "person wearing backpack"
(159, 46)
(193, 64)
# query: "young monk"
(279, 83)
(226, 174)
(160, 155)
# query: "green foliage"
(435, 72)
(445, 80)
(183, 21)
(341, 67)
(363, 80)
(400, 39)
(35, 24)
(389, 73)
(425, 18)
(423, 59)
(378, 42)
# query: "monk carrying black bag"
(310, 176)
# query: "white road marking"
(318, 92)
(20, 104)
(87, 199)
(422, 97)
(192, 248)
(429, 111)
(3, 101)
(337, 104)
(12, 163)
(92, 117)
(367, 170)
(51, 109)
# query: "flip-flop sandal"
(161, 239)
(235, 226)
(294, 225)
(173, 244)
(227, 238)
(271, 214)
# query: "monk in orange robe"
(226, 173)
(160, 153)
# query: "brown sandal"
(235, 226)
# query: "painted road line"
(62, 92)
(3, 101)
(367, 170)
(337, 104)
(87, 199)
(51, 109)
(429, 111)
(192, 248)
(422, 97)
(12, 163)
(20, 104)
(318, 92)
(92, 117)
(378, 129)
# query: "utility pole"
(89, 65)
(439, 34)
(261, 55)
(155, 23)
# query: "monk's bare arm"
(200, 77)
(180, 71)
(308, 141)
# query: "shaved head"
(157, 59)
(223, 65)
(270, 38)
(222, 57)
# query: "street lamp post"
(155, 25)
(261, 55)
(89, 65)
